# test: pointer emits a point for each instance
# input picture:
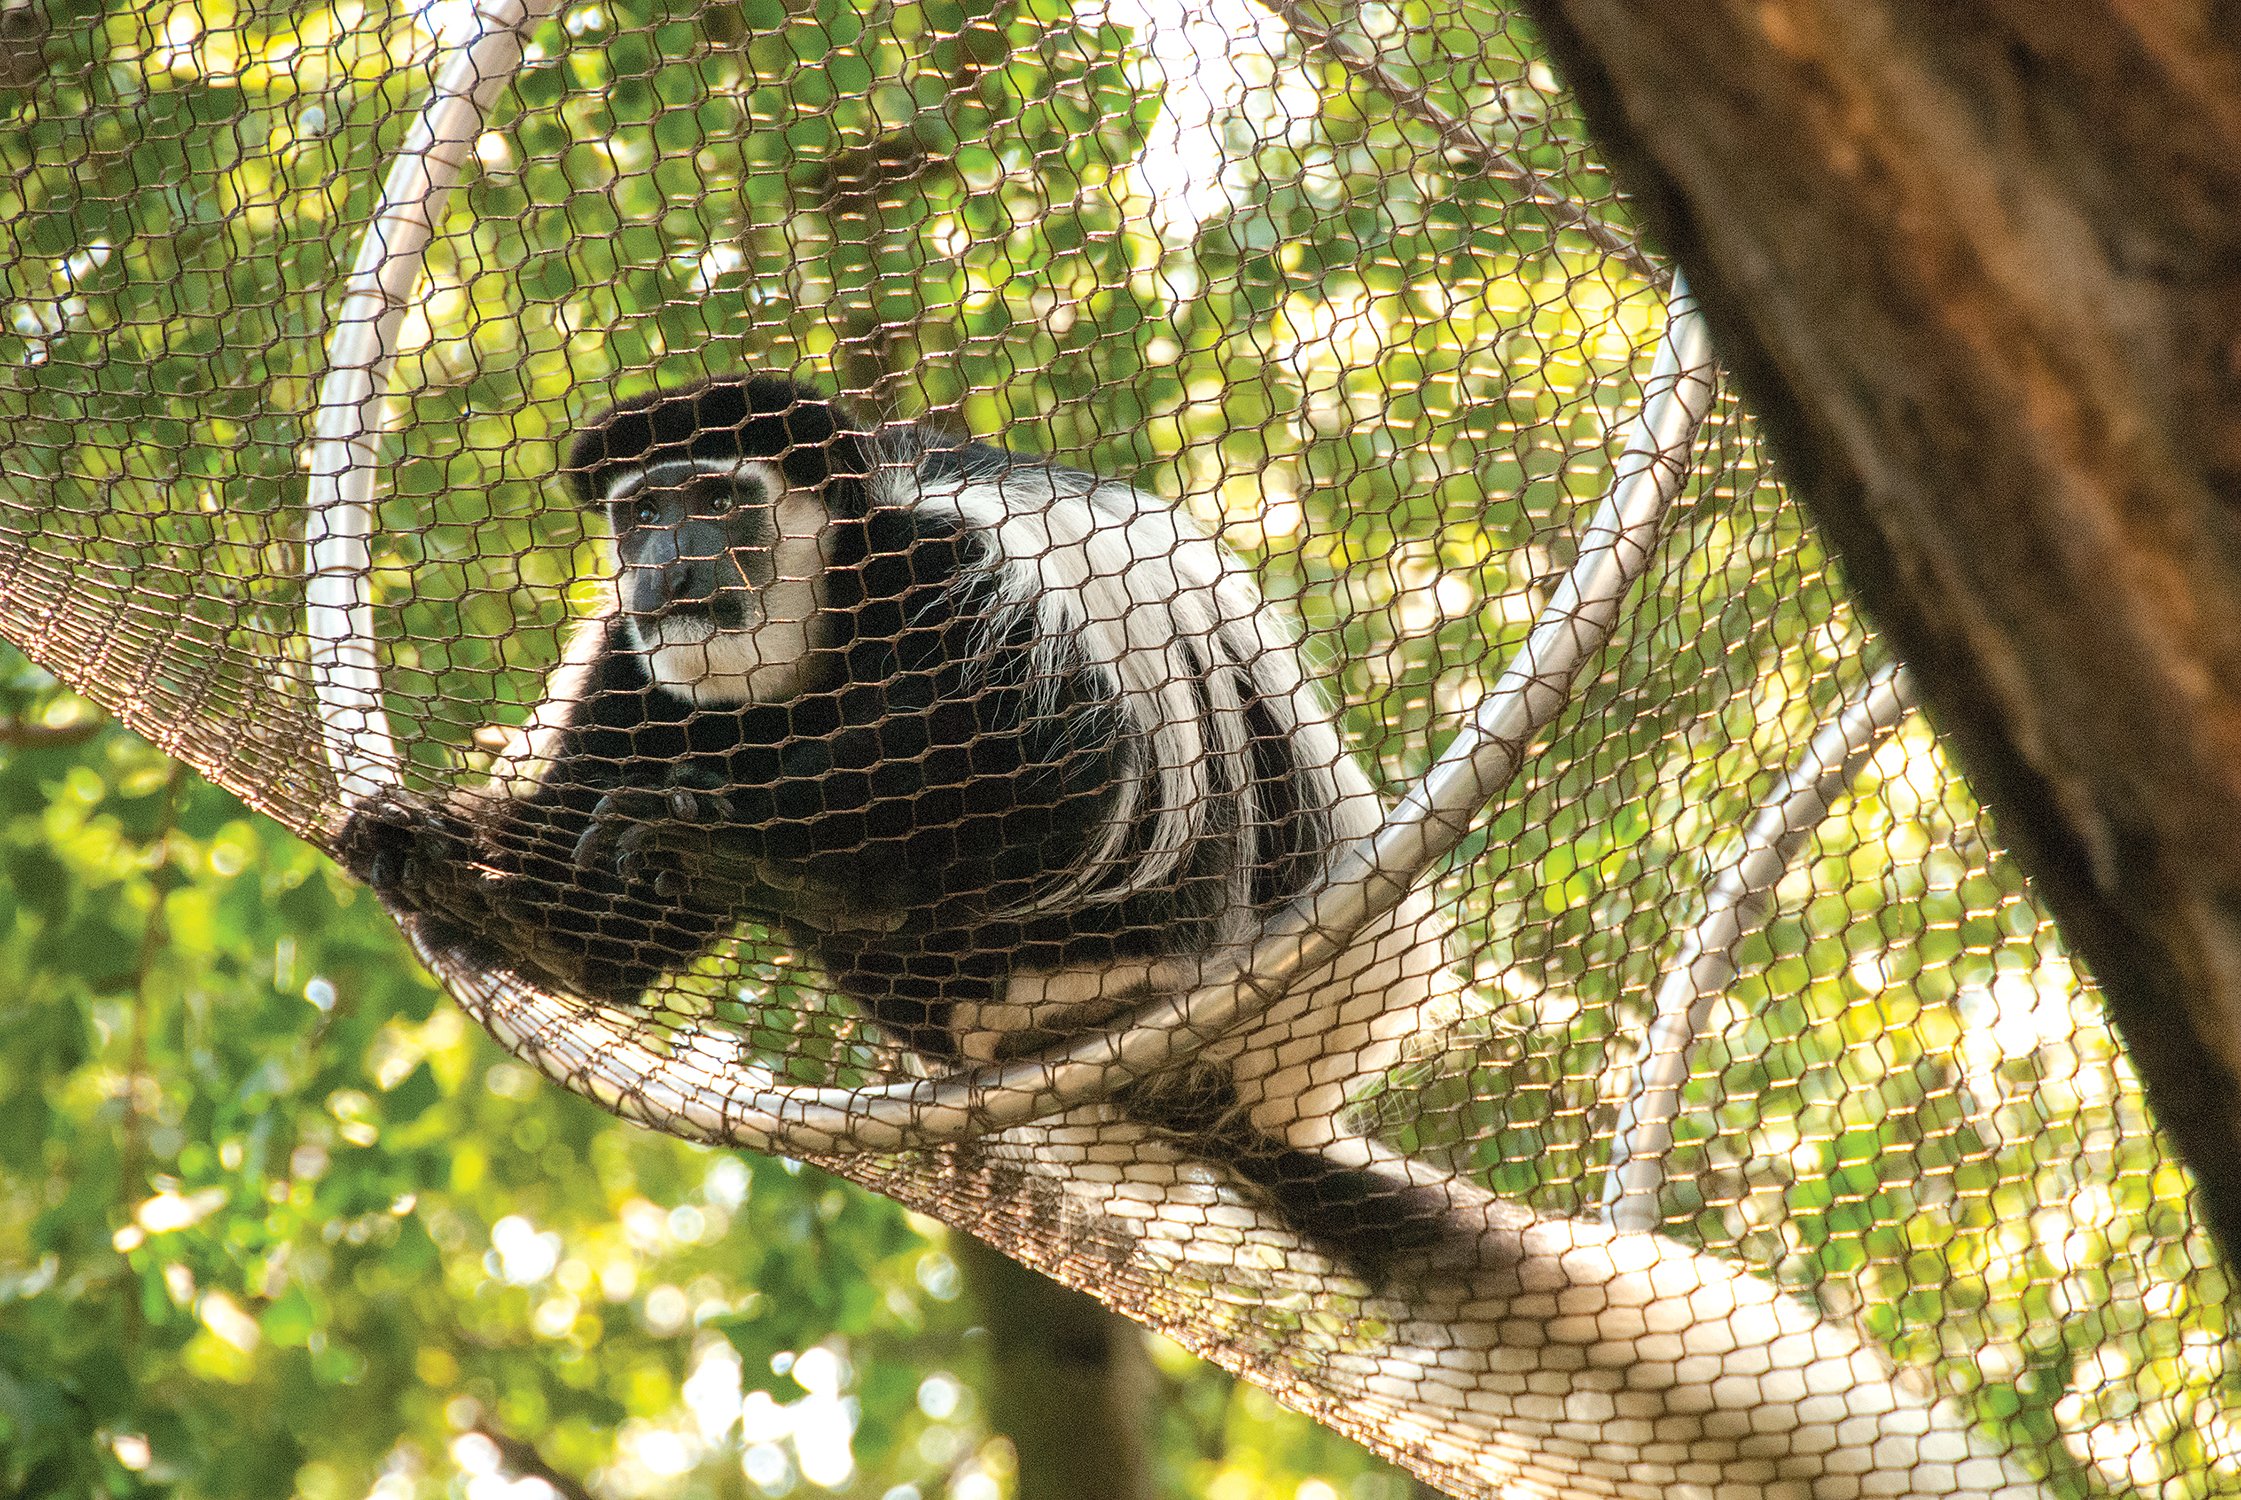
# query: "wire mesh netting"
(1720, 1111)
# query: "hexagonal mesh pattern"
(902, 758)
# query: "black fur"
(923, 778)
(811, 439)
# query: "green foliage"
(276, 1220)
(262, 1185)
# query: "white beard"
(766, 659)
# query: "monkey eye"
(646, 513)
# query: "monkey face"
(722, 564)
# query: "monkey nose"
(649, 589)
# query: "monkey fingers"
(380, 854)
(828, 905)
(405, 849)
(630, 824)
(620, 814)
(373, 844)
(696, 796)
(633, 856)
(712, 898)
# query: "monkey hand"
(682, 840)
(801, 896)
(632, 828)
(405, 848)
(426, 863)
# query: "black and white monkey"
(1009, 748)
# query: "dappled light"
(1345, 296)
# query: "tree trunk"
(1070, 1384)
(1978, 266)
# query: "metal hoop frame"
(696, 1086)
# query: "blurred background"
(277, 1220)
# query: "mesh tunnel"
(1773, 1139)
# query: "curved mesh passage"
(1345, 297)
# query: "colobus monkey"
(1009, 748)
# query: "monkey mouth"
(693, 620)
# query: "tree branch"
(17, 735)
(1976, 268)
(523, 1459)
(1464, 139)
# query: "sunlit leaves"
(254, 1163)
